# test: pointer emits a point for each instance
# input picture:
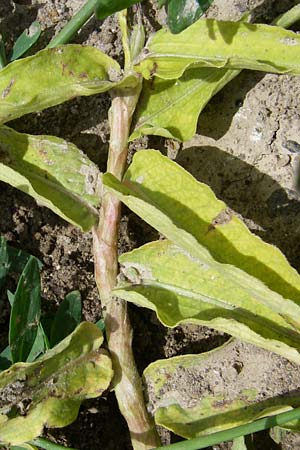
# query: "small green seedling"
(209, 270)
(24, 42)
(51, 380)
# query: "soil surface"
(244, 149)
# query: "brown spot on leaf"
(7, 90)
(222, 218)
(154, 69)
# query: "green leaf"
(26, 40)
(182, 13)
(188, 213)
(212, 43)
(238, 398)
(4, 261)
(18, 257)
(171, 108)
(24, 446)
(107, 7)
(54, 172)
(67, 317)
(38, 347)
(185, 287)
(239, 444)
(48, 392)
(55, 75)
(5, 358)
(25, 312)
(101, 325)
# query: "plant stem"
(68, 31)
(233, 433)
(126, 383)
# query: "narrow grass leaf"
(51, 389)
(38, 347)
(18, 259)
(54, 172)
(67, 317)
(4, 261)
(188, 213)
(25, 312)
(26, 40)
(220, 44)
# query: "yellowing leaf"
(240, 394)
(48, 392)
(171, 108)
(183, 287)
(54, 172)
(189, 214)
(55, 75)
(212, 43)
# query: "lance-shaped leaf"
(171, 108)
(105, 8)
(53, 76)
(48, 392)
(188, 213)
(182, 13)
(212, 43)
(181, 287)
(25, 312)
(240, 394)
(54, 172)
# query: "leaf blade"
(226, 408)
(56, 75)
(25, 312)
(212, 43)
(184, 289)
(66, 319)
(73, 370)
(188, 213)
(54, 172)
(171, 108)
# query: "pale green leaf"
(171, 108)
(48, 392)
(212, 43)
(55, 75)
(189, 214)
(181, 287)
(54, 172)
(238, 397)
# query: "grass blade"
(26, 40)
(67, 317)
(25, 312)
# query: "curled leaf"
(48, 392)
(54, 172)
